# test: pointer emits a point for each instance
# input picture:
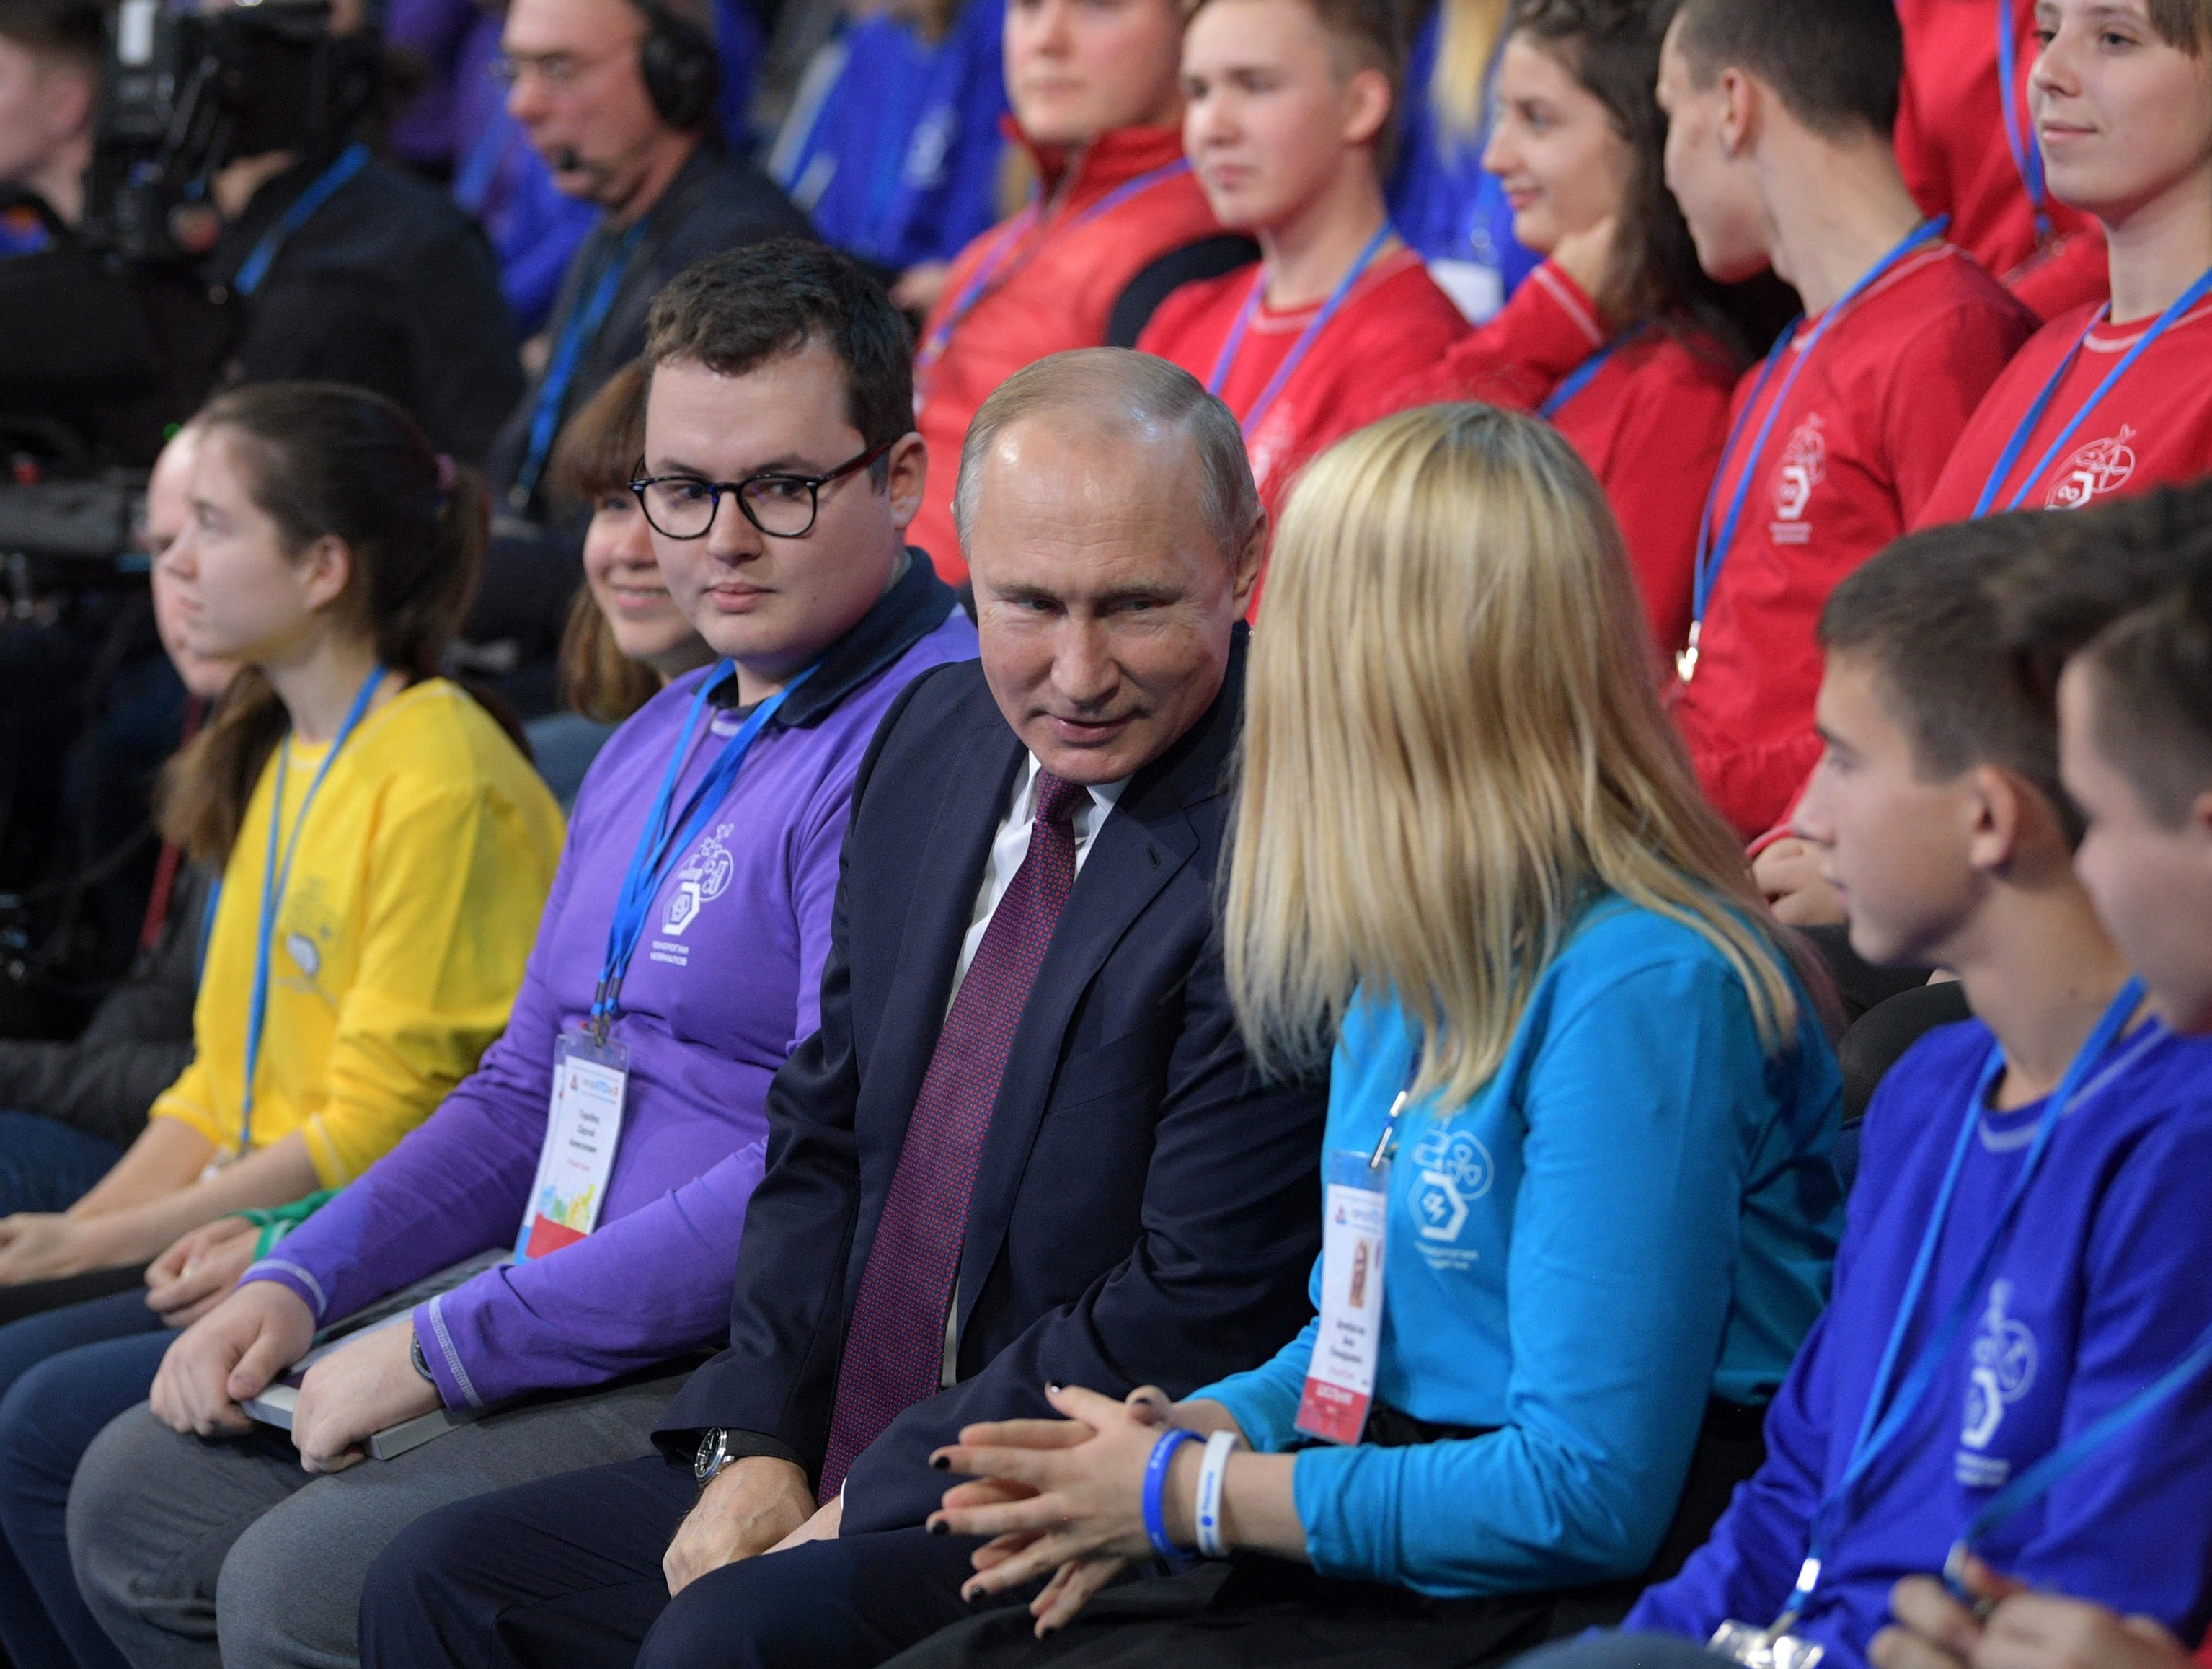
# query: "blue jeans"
(63, 1375)
(48, 1166)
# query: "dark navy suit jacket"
(1146, 1207)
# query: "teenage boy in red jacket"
(1290, 109)
(1778, 148)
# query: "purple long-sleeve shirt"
(723, 985)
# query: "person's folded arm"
(1640, 1109)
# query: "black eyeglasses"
(783, 507)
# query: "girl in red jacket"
(1618, 338)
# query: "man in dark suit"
(618, 97)
(1026, 1146)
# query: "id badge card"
(582, 1129)
(1339, 1384)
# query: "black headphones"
(677, 64)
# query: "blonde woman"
(1471, 865)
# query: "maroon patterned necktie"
(894, 1351)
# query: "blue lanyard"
(1585, 373)
(2025, 155)
(988, 275)
(658, 850)
(582, 328)
(276, 879)
(351, 162)
(1226, 359)
(1878, 1427)
(2038, 1481)
(2188, 299)
(1713, 552)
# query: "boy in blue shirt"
(2135, 712)
(2064, 1253)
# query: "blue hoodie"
(2100, 1288)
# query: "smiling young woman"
(1618, 338)
(2116, 399)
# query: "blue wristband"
(1155, 1484)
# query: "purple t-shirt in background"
(726, 983)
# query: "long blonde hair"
(1454, 741)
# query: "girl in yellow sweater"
(385, 848)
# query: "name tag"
(582, 1130)
(1339, 1384)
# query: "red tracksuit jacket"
(1849, 463)
(1056, 274)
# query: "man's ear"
(907, 477)
(1740, 111)
(2013, 829)
(1249, 562)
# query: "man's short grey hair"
(1116, 389)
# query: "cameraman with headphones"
(619, 96)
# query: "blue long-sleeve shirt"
(2101, 1287)
(1634, 1214)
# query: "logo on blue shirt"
(1455, 1171)
(2003, 1372)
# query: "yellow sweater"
(400, 941)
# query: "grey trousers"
(193, 1552)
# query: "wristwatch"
(713, 1455)
(422, 1361)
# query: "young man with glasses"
(678, 963)
(619, 96)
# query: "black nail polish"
(939, 1527)
(940, 1462)
(1051, 1387)
(969, 1596)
